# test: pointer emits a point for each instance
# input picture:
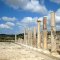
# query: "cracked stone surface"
(11, 51)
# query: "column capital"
(38, 21)
(38, 35)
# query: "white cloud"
(55, 1)
(58, 12)
(58, 19)
(16, 3)
(8, 18)
(4, 26)
(35, 7)
(31, 5)
(7, 25)
(58, 15)
(10, 24)
(29, 19)
(27, 22)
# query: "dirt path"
(11, 51)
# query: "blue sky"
(17, 14)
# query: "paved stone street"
(11, 51)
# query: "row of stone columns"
(44, 34)
(30, 37)
(36, 42)
(53, 33)
(25, 36)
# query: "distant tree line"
(6, 37)
(10, 38)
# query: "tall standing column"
(25, 36)
(53, 33)
(38, 35)
(34, 37)
(45, 32)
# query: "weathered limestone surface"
(30, 37)
(25, 37)
(53, 33)
(11, 51)
(38, 35)
(34, 38)
(45, 32)
(45, 39)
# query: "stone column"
(34, 38)
(15, 38)
(45, 32)
(53, 33)
(29, 37)
(25, 36)
(38, 35)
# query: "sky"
(16, 15)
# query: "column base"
(55, 54)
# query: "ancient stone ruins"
(33, 44)
(33, 39)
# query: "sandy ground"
(11, 51)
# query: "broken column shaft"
(53, 33)
(15, 38)
(38, 35)
(25, 36)
(45, 32)
(29, 37)
(34, 38)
